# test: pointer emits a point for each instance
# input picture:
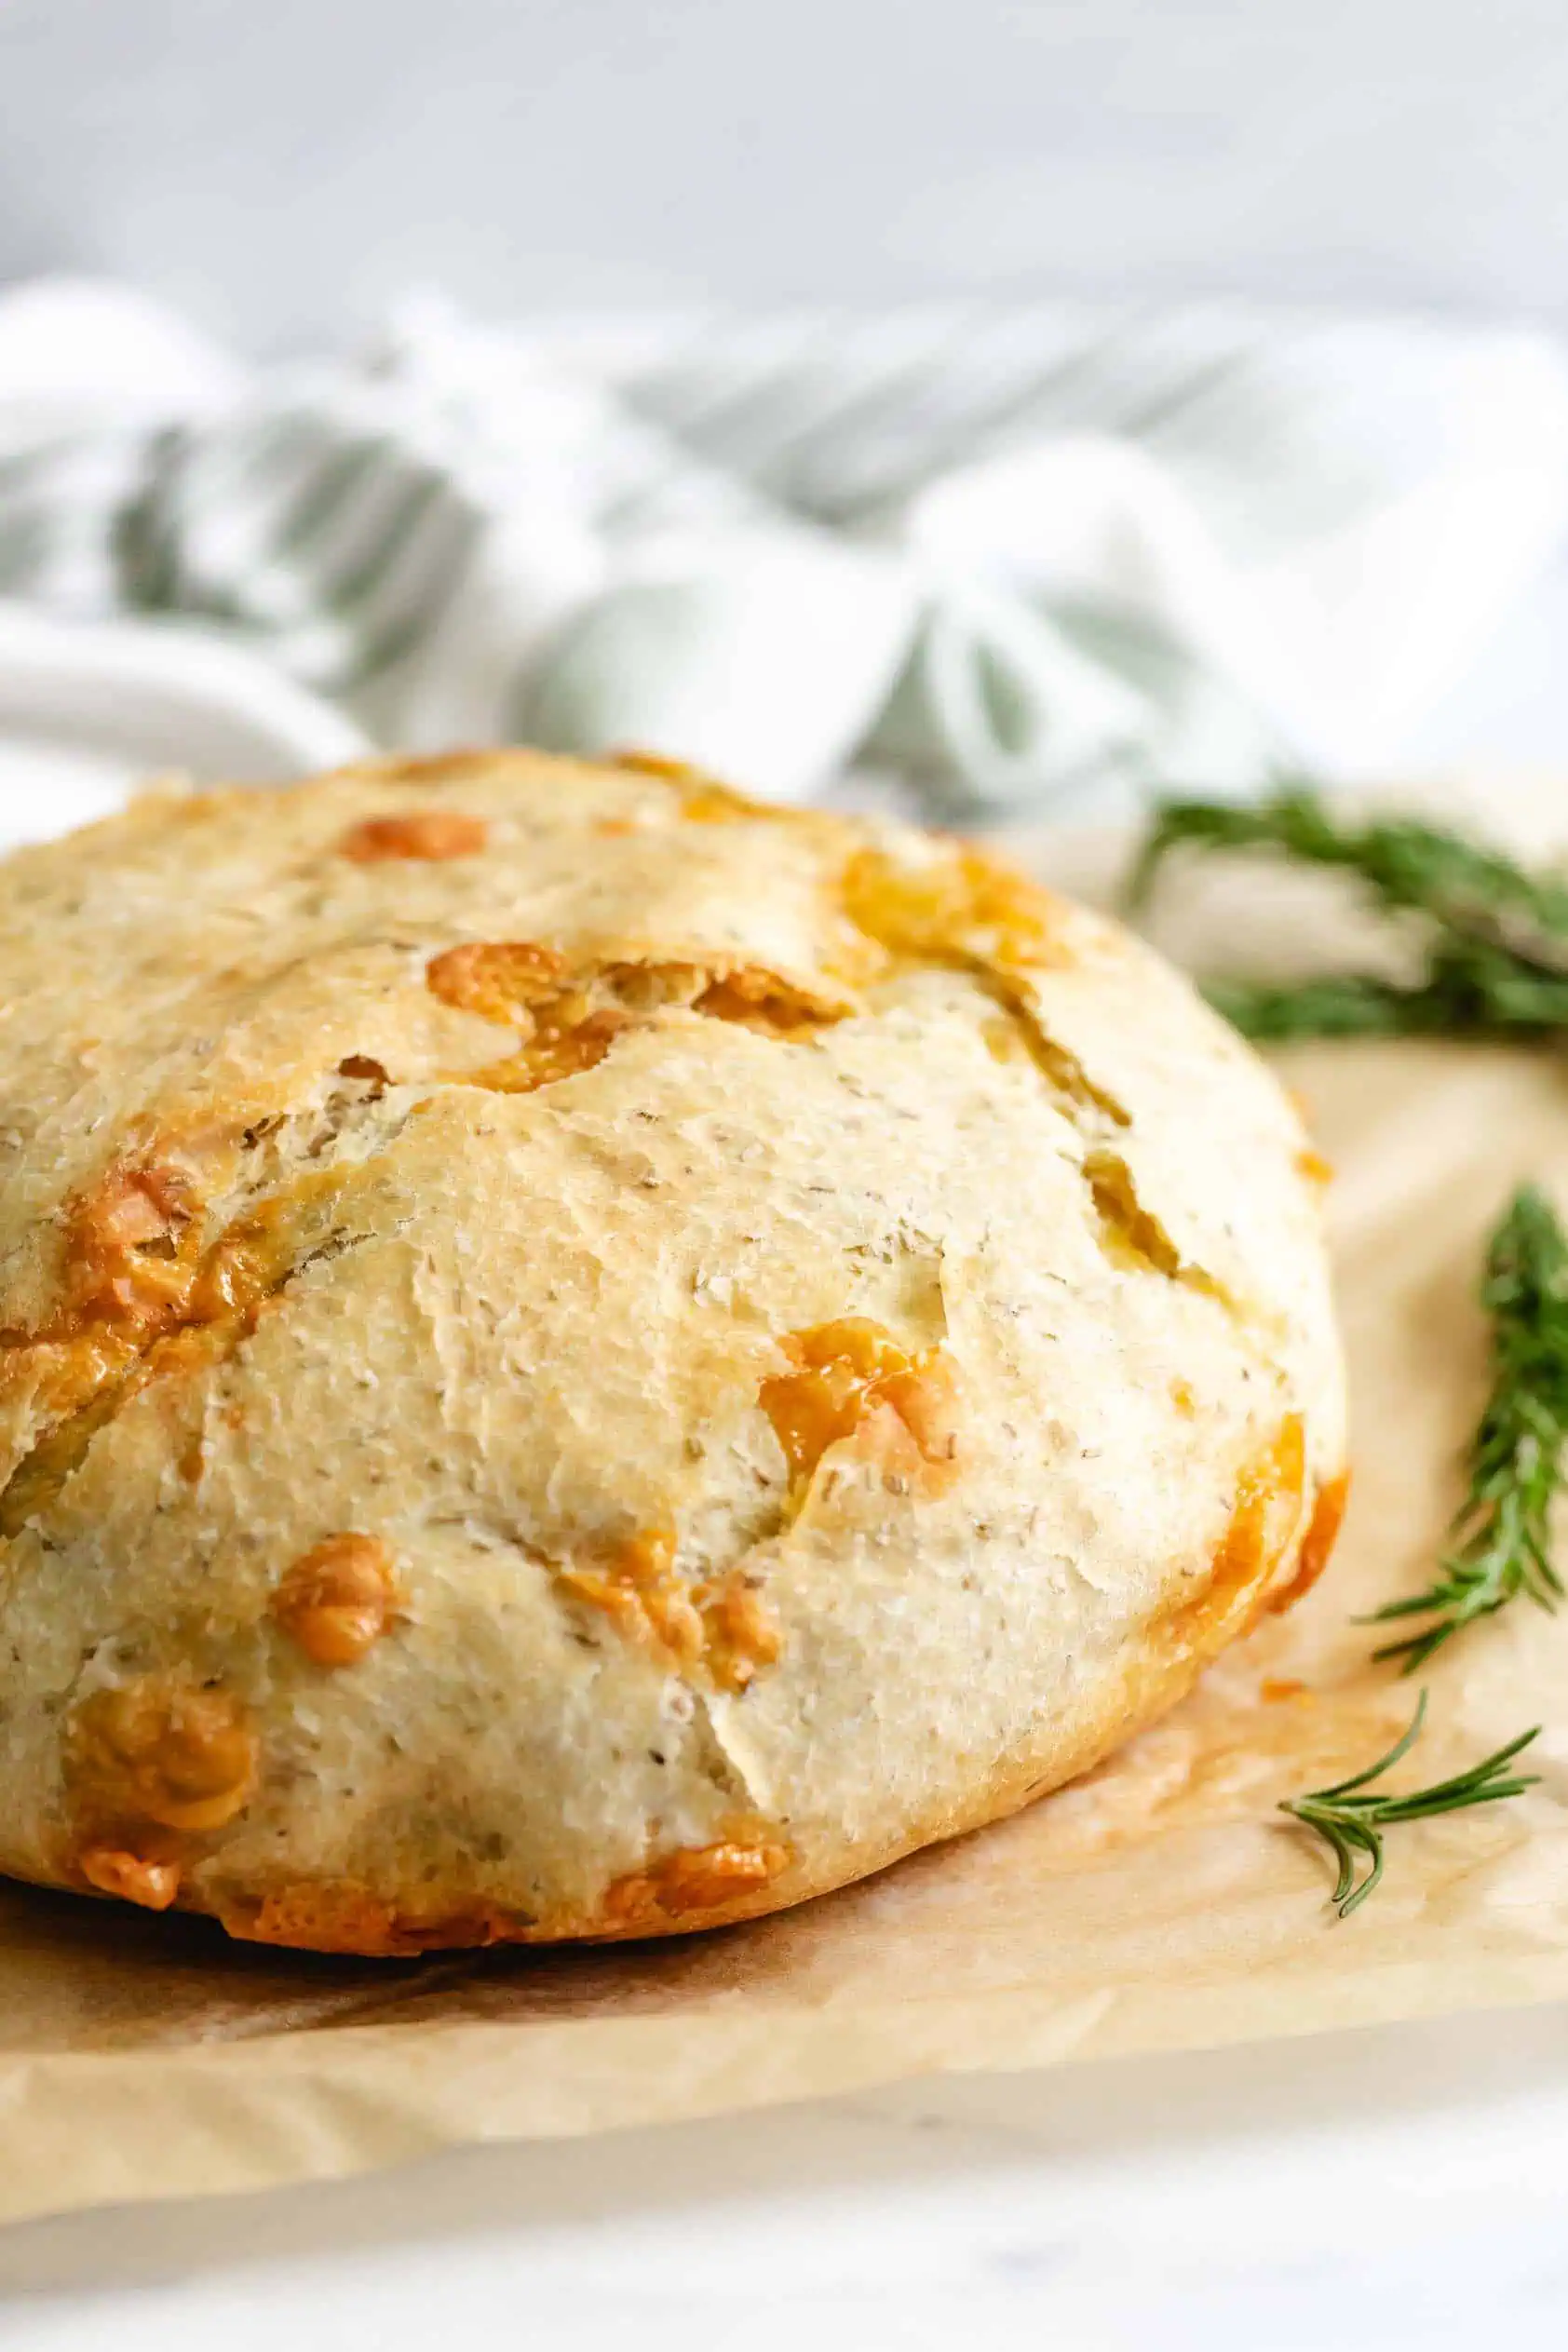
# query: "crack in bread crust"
(919, 918)
(1129, 1233)
(720, 1624)
(568, 1014)
(144, 1292)
(253, 1260)
(1063, 1072)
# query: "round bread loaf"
(583, 1357)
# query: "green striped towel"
(1019, 552)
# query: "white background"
(281, 167)
(273, 167)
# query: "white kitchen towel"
(1014, 551)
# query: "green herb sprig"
(1494, 937)
(1517, 1453)
(1469, 991)
(1494, 946)
(1403, 861)
(1351, 1816)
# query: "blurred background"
(283, 172)
(1029, 401)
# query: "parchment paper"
(1162, 1903)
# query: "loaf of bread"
(585, 1358)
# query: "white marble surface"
(1396, 2188)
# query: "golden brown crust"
(340, 1916)
(580, 1358)
(1317, 1543)
(768, 1878)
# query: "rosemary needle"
(1495, 936)
(1517, 1451)
(1351, 1816)
(1406, 863)
(1496, 966)
(1469, 990)
(1495, 939)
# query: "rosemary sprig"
(1496, 936)
(1351, 1818)
(1517, 1454)
(1470, 989)
(1463, 886)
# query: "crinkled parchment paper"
(1163, 1904)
